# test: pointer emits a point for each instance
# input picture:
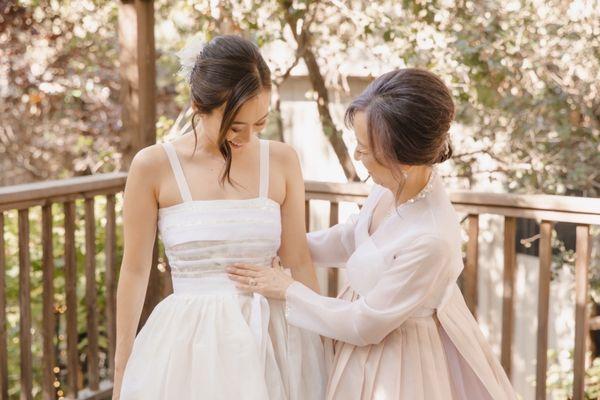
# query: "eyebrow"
(243, 123)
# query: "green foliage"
(560, 379)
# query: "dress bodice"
(202, 237)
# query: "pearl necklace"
(421, 195)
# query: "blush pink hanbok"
(401, 329)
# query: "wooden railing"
(83, 380)
(68, 192)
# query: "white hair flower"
(189, 54)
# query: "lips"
(235, 145)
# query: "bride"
(218, 195)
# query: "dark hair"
(229, 70)
(409, 112)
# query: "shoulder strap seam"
(264, 169)
(184, 190)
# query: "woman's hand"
(270, 282)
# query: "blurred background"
(85, 84)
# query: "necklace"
(422, 194)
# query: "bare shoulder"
(283, 155)
(150, 159)
(286, 163)
(148, 165)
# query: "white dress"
(206, 340)
(401, 330)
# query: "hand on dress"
(270, 282)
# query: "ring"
(252, 282)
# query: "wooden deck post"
(138, 96)
(137, 59)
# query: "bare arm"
(139, 230)
(294, 252)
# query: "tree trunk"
(329, 129)
(304, 43)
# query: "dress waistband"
(204, 285)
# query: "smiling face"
(250, 120)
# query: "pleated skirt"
(417, 361)
(201, 347)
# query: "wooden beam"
(146, 61)
(39, 193)
(129, 75)
(138, 76)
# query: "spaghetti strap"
(184, 189)
(264, 169)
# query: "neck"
(417, 180)
(206, 144)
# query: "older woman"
(401, 329)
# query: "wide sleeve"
(402, 289)
(332, 247)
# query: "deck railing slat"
(48, 318)
(332, 273)
(508, 292)
(26, 379)
(3, 326)
(543, 308)
(582, 265)
(90, 294)
(471, 265)
(71, 299)
(110, 280)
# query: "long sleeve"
(401, 290)
(333, 246)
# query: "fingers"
(249, 278)
(247, 288)
(239, 279)
(276, 263)
(239, 269)
(247, 267)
